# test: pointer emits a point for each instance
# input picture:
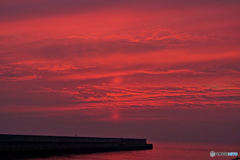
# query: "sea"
(160, 151)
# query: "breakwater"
(23, 146)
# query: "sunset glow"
(121, 68)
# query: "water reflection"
(161, 151)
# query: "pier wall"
(29, 145)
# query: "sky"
(161, 70)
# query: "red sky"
(162, 70)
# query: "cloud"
(21, 78)
(32, 9)
(150, 67)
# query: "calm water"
(161, 151)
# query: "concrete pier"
(23, 146)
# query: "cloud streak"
(105, 65)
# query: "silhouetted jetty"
(23, 146)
